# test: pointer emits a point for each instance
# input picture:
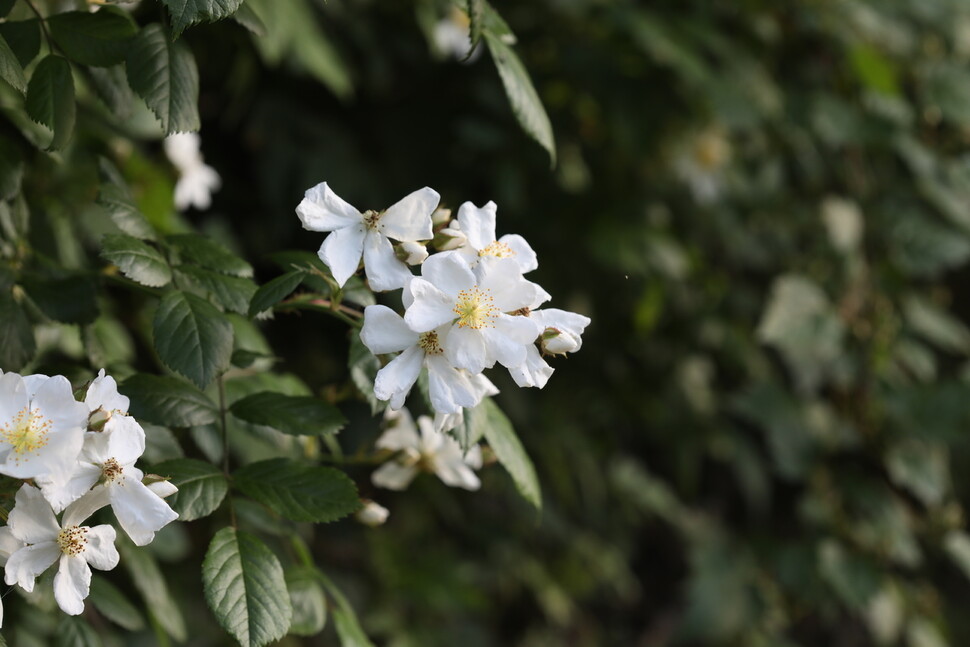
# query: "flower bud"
(372, 514)
(160, 485)
(410, 252)
(98, 418)
(440, 217)
(558, 342)
(451, 237)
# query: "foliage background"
(762, 441)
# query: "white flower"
(844, 222)
(429, 450)
(8, 546)
(471, 308)
(372, 514)
(41, 425)
(75, 547)
(197, 180)
(701, 162)
(354, 233)
(452, 36)
(561, 333)
(477, 224)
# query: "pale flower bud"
(373, 514)
(97, 419)
(451, 237)
(440, 217)
(558, 342)
(411, 253)
(160, 485)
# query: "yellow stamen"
(429, 343)
(73, 540)
(26, 433)
(475, 309)
(111, 471)
(497, 249)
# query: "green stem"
(43, 26)
(346, 314)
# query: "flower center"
(72, 540)
(429, 343)
(111, 471)
(372, 219)
(26, 433)
(475, 309)
(497, 249)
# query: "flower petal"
(100, 551)
(384, 331)
(126, 439)
(431, 307)
(13, 397)
(26, 564)
(385, 271)
(465, 348)
(399, 375)
(393, 475)
(32, 520)
(8, 544)
(140, 511)
(61, 492)
(448, 272)
(524, 257)
(341, 251)
(449, 388)
(534, 371)
(91, 502)
(507, 341)
(410, 217)
(103, 394)
(401, 434)
(478, 223)
(503, 278)
(322, 210)
(72, 584)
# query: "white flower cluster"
(197, 180)
(77, 457)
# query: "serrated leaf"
(151, 584)
(137, 260)
(522, 95)
(115, 605)
(111, 85)
(202, 487)
(99, 39)
(80, 307)
(115, 197)
(476, 17)
(271, 293)
(231, 292)
(189, 12)
(11, 168)
(510, 453)
(298, 491)
(23, 37)
(344, 619)
(75, 632)
(192, 337)
(168, 401)
(10, 68)
(17, 345)
(50, 98)
(164, 74)
(245, 589)
(207, 253)
(296, 415)
(308, 602)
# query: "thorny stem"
(225, 444)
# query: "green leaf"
(202, 487)
(522, 95)
(957, 545)
(100, 39)
(510, 453)
(192, 337)
(307, 600)
(75, 632)
(137, 260)
(296, 415)
(168, 401)
(116, 198)
(476, 17)
(344, 619)
(151, 584)
(10, 68)
(111, 85)
(231, 292)
(299, 491)
(5, 7)
(11, 168)
(189, 12)
(271, 293)
(363, 371)
(205, 252)
(921, 467)
(16, 335)
(81, 307)
(164, 74)
(246, 17)
(245, 588)
(50, 98)
(115, 605)
(23, 37)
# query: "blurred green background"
(763, 206)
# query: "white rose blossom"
(354, 234)
(421, 447)
(74, 547)
(197, 180)
(477, 225)
(561, 333)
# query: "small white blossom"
(477, 226)
(74, 547)
(844, 222)
(372, 514)
(701, 162)
(421, 447)
(354, 234)
(197, 180)
(561, 333)
(452, 36)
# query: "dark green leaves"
(298, 491)
(16, 336)
(164, 74)
(10, 69)
(245, 588)
(100, 39)
(204, 252)
(23, 37)
(50, 98)
(522, 95)
(189, 12)
(275, 291)
(202, 487)
(115, 605)
(138, 261)
(71, 299)
(168, 401)
(509, 451)
(290, 414)
(116, 198)
(192, 337)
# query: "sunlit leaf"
(202, 487)
(189, 12)
(164, 74)
(137, 260)
(10, 68)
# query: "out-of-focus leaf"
(946, 86)
(246, 17)
(873, 69)
(363, 371)
(108, 342)
(49, 294)
(154, 591)
(164, 74)
(10, 69)
(476, 18)
(510, 453)
(50, 98)
(349, 631)
(298, 491)
(923, 633)
(99, 39)
(23, 37)
(137, 260)
(245, 588)
(5, 7)
(294, 415)
(115, 197)
(274, 291)
(11, 168)
(925, 248)
(75, 632)
(957, 545)
(192, 337)
(168, 401)
(111, 85)
(854, 579)
(936, 325)
(114, 605)
(525, 102)
(202, 487)
(308, 602)
(189, 12)
(205, 252)
(920, 467)
(17, 345)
